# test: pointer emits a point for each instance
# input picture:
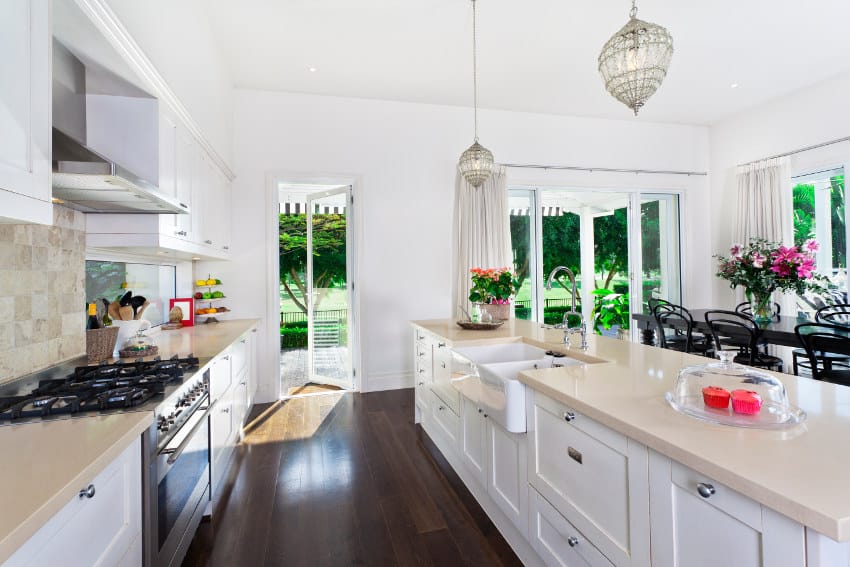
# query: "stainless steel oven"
(177, 473)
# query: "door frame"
(348, 384)
(272, 300)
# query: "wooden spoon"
(125, 313)
(142, 309)
(113, 311)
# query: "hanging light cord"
(474, 73)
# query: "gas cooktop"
(124, 386)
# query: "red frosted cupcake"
(715, 397)
(746, 402)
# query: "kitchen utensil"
(113, 310)
(141, 309)
(135, 302)
(125, 313)
(125, 299)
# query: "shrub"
(293, 338)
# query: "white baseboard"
(387, 381)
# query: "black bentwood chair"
(837, 314)
(737, 330)
(676, 330)
(818, 338)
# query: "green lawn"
(331, 299)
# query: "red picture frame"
(187, 304)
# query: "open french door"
(329, 314)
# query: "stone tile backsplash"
(42, 293)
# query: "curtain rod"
(602, 169)
(799, 151)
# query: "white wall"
(177, 37)
(808, 117)
(403, 156)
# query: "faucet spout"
(572, 277)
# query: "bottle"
(93, 321)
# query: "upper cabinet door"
(25, 110)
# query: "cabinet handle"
(207, 241)
(480, 410)
(185, 206)
(573, 541)
(243, 341)
(486, 416)
(243, 383)
(443, 364)
(226, 247)
(87, 492)
(441, 408)
(253, 330)
(225, 410)
(441, 345)
(705, 489)
(226, 357)
(569, 416)
(421, 371)
(421, 383)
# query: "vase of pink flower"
(762, 267)
(492, 289)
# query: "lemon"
(200, 282)
(210, 282)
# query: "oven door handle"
(174, 454)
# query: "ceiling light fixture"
(476, 163)
(733, 86)
(313, 69)
(634, 62)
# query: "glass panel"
(659, 232)
(611, 301)
(328, 352)
(111, 280)
(521, 204)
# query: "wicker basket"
(100, 343)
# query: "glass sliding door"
(523, 220)
(660, 275)
(328, 296)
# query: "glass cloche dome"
(733, 394)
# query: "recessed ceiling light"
(734, 85)
(313, 69)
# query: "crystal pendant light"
(476, 163)
(634, 62)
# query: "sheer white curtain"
(764, 202)
(765, 211)
(482, 232)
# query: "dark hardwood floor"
(345, 479)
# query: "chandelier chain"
(474, 73)
(633, 11)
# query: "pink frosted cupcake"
(715, 397)
(746, 402)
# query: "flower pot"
(761, 306)
(498, 311)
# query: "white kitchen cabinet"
(446, 422)
(698, 522)
(473, 440)
(104, 529)
(212, 197)
(25, 112)
(595, 478)
(423, 372)
(557, 541)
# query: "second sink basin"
(508, 352)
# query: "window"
(111, 280)
(622, 247)
(819, 213)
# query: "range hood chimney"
(83, 178)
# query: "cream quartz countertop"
(46, 463)
(800, 472)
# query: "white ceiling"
(533, 56)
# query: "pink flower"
(758, 260)
(735, 251)
(805, 269)
(811, 246)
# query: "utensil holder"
(100, 343)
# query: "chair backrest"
(820, 338)
(731, 328)
(838, 314)
(747, 309)
(654, 302)
(669, 315)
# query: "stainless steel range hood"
(83, 178)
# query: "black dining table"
(780, 331)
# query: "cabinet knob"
(705, 489)
(244, 383)
(225, 410)
(486, 416)
(226, 357)
(87, 492)
(441, 408)
(480, 410)
(207, 241)
(443, 364)
(569, 416)
(243, 341)
(226, 247)
(573, 541)
(421, 371)
(421, 383)
(441, 345)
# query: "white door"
(329, 287)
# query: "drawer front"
(423, 364)
(580, 473)
(239, 354)
(446, 420)
(421, 397)
(220, 376)
(724, 499)
(557, 541)
(94, 531)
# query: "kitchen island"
(619, 387)
(48, 463)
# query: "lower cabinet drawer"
(446, 421)
(557, 541)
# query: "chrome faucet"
(565, 324)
